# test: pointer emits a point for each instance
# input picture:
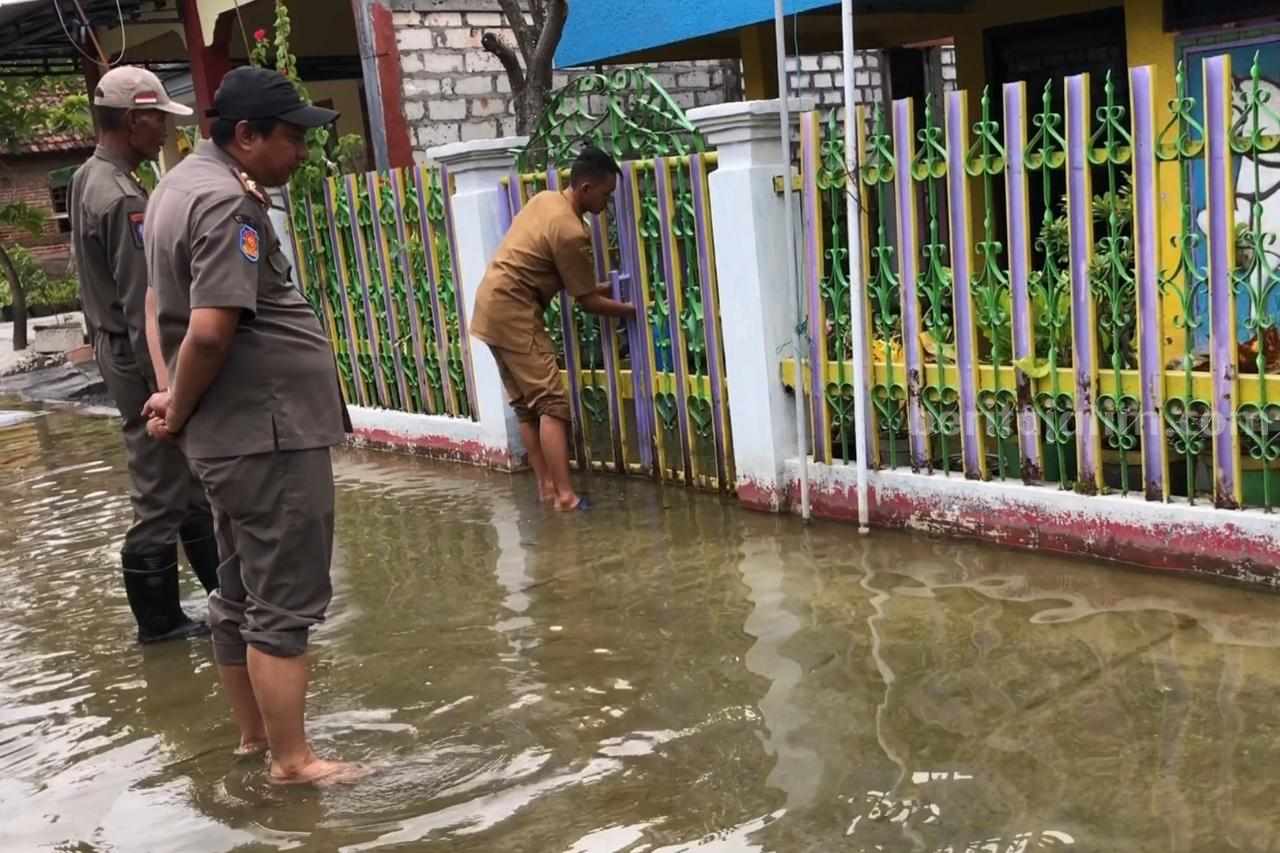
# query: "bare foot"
(251, 747)
(569, 505)
(546, 492)
(319, 772)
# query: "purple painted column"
(958, 208)
(1019, 225)
(908, 261)
(639, 336)
(506, 209)
(373, 181)
(362, 267)
(423, 184)
(446, 193)
(1222, 303)
(1084, 343)
(711, 322)
(569, 337)
(348, 311)
(811, 222)
(609, 341)
(1146, 231)
(679, 359)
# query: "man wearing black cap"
(254, 403)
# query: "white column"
(757, 311)
(477, 169)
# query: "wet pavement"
(665, 673)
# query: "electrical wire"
(244, 34)
(101, 58)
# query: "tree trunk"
(19, 301)
(529, 104)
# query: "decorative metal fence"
(375, 256)
(648, 395)
(1085, 295)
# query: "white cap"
(131, 88)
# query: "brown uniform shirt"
(210, 244)
(106, 209)
(546, 250)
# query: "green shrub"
(45, 295)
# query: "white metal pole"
(857, 316)
(784, 119)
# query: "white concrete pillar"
(477, 168)
(757, 311)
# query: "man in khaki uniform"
(254, 403)
(546, 250)
(106, 208)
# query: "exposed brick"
(694, 80)
(447, 110)
(442, 19)
(479, 130)
(832, 97)
(862, 78)
(503, 83)
(440, 133)
(507, 126)
(414, 110)
(684, 99)
(488, 107)
(473, 85)
(480, 60)
(809, 63)
(417, 88)
(442, 63)
(402, 20)
(832, 62)
(710, 96)
(823, 81)
(459, 39)
(486, 19)
(414, 38)
(410, 63)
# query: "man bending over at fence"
(546, 250)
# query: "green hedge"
(45, 294)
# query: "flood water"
(665, 673)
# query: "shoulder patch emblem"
(249, 243)
(135, 228)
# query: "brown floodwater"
(664, 673)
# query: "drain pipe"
(857, 316)
(784, 119)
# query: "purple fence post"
(362, 266)
(711, 321)
(1222, 304)
(640, 339)
(811, 222)
(608, 341)
(446, 194)
(1084, 343)
(373, 181)
(1016, 208)
(908, 258)
(1146, 230)
(679, 360)
(569, 338)
(958, 208)
(433, 281)
(348, 312)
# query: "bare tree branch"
(526, 38)
(508, 58)
(549, 38)
(538, 9)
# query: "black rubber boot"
(151, 584)
(201, 549)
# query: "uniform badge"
(135, 228)
(252, 189)
(249, 243)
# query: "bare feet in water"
(546, 492)
(319, 772)
(251, 747)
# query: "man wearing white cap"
(107, 209)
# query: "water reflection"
(667, 673)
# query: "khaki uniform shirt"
(210, 244)
(106, 210)
(546, 250)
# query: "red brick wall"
(26, 178)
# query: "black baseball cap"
(251, 93)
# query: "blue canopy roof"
(599, 30)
